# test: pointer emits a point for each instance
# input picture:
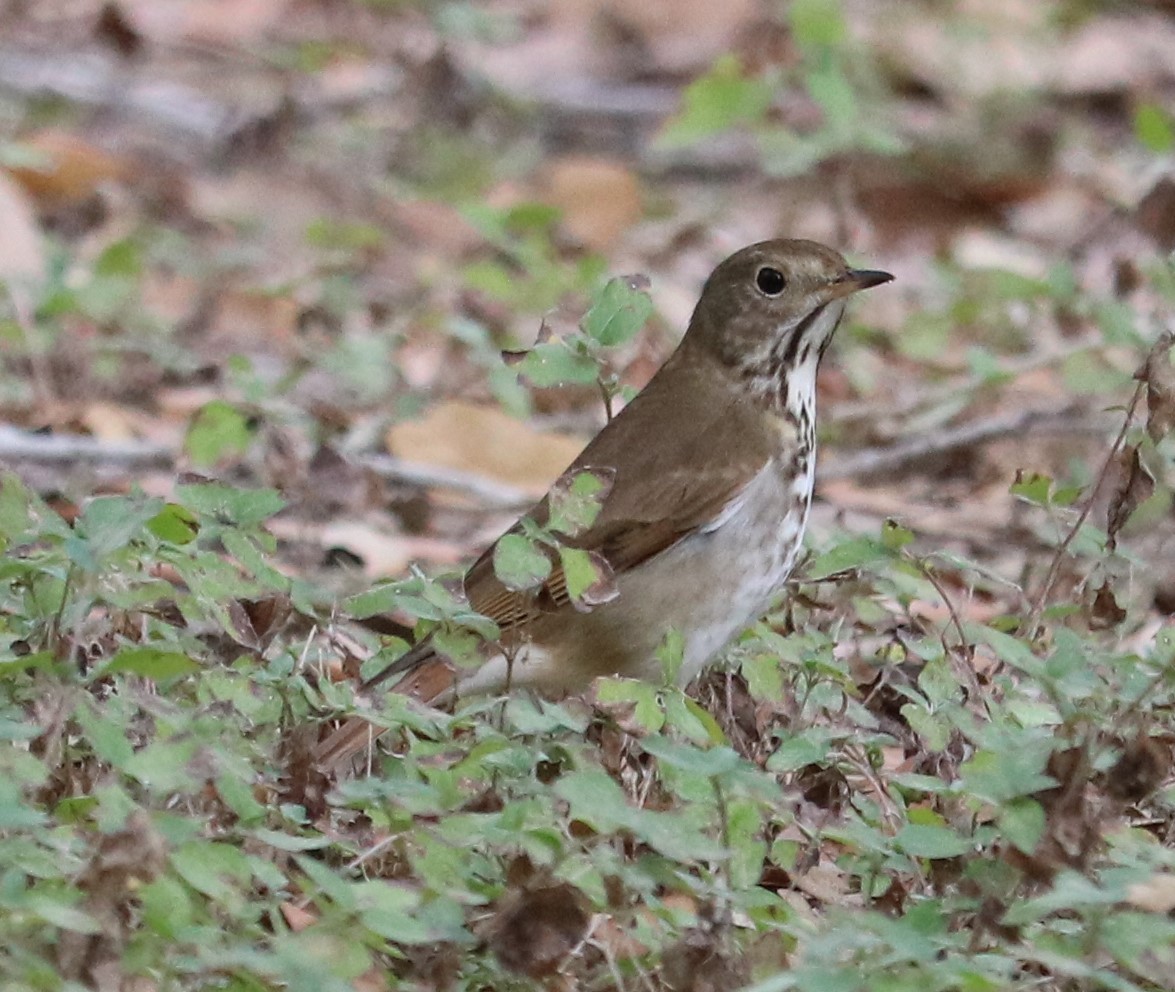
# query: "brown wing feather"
(701, 445)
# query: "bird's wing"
(679, 476)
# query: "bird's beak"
(854, 280)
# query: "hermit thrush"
(710, 471)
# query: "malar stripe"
(797, 336)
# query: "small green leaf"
(175, 524)
(576, 498)
(1023, 822)
(811, 747)
(712, 762)
(929, 841)
(594, 798)
(1154, 128)
(590, 582)
(1032, 488)
(856, 552)
(619, 312)
(151, 663)
(721, 99)
(218, 431)
(229, 505)
(108, 523)
(520, 563)
(817, 23)
(645, 701)
(894, 536)
(554, 363)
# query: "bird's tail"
(424, 675)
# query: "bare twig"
(1059, 555)
(70, 449)
(496, 495)
(73, 449)
(891, 458)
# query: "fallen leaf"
(535, 929)
(1105, 613)
(1158, 372)
(1155, 895)
(71, 171)
(599, 199)
(1136, 487)
(484, 441)
(1155, 214)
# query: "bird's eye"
(770, 281)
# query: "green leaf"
(520, 563)
(175, 524)
(152, 663)
(930, 841)
(1153, 127)
(290, 842)
(554, 363)
(1022, 821)
(721, 99)
(645, 699)
(711, 762)
(817, 23)
(619, 311)
(894, 536)
(692, 719)
(855, 553)
(209, 867)
(108, 523)
(219, 431)
(590, 582)
(811, 747)
(229, 505)
(831, 91)
(576, 498)
(1032, 488)
(122, 259)
(595, 798)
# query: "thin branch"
(495, 495)
(904, 454)
(70, 449)
(1059, 556)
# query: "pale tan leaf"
(485, 441)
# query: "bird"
(706, 479)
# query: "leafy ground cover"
(306, 302)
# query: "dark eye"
(770, 281)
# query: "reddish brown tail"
(427, 677)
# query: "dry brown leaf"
(297, 917)
(535, 928)
(382, 553)
(1155, 215)
(485, 441)
(73, 169)
(599, 199)
(1158, 372)
(1139, 770)
(1135, 487)
(108, 422)
(702, 961)
(1155, 895)
(1105, 613)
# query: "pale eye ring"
(770, 281)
